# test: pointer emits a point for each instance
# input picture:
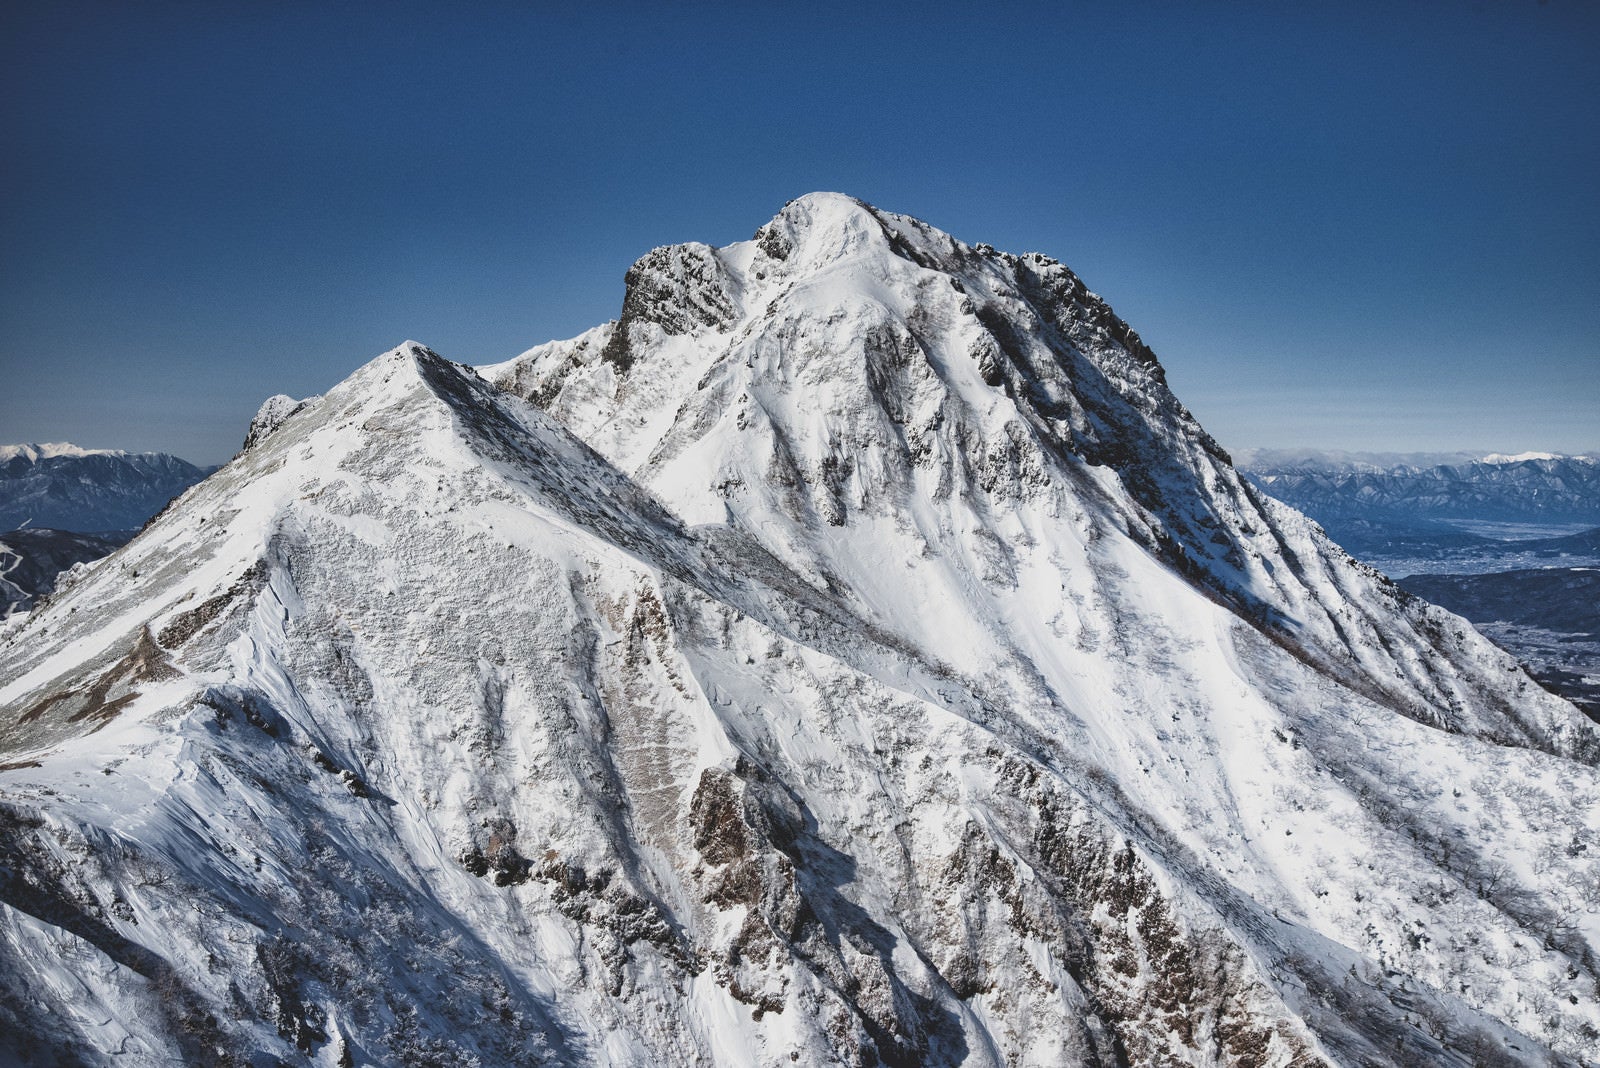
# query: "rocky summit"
(853, 654)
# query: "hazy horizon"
(1243, 455)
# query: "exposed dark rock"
(677, 289)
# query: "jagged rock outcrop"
(272, 414)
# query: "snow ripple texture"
(854, 654)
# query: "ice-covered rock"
(272, 414)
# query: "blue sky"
(1340, 226)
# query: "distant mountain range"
(1462, 532)
(1348, 494)
(63, 487)
(64, 505)
(1548, 616)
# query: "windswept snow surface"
(854, 654)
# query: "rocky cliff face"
(853, 654)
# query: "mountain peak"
(407, 354)
(389, 378)
(855, 655)
(895, 329)
(819, 228)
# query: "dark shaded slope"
(32, 559)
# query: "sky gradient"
(1364, 229)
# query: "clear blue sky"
(1358, 227)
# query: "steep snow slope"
(906, 679)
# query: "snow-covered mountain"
(1340, 461)
(64, 487)
(854, 654)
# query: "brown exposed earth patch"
(113, 691)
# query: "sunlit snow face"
(794, 686)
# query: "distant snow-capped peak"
(1522, 457)
(34, 452)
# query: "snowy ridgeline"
(854, 654)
